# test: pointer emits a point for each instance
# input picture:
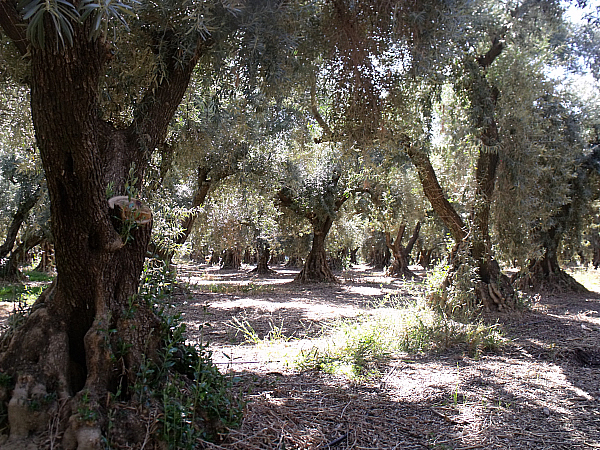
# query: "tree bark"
(435, 194)
(66, 349)
(264, 255)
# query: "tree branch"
(435, 194)
(154, 113)
(411, 242)
(13, 26)
(18, 220)
(486, 60)
(315, 112)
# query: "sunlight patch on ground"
(587, 276)
(366, 291)
(314, 311)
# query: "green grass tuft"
(358, 347)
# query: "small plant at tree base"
(195, 400)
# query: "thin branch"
(315, 112)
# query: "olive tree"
(105, 81)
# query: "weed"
(275, 333)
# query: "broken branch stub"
(131, 209)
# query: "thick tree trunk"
(316, 269)
(65, 356)
(545, 274)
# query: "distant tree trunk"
(264, 254)
(316, 268)
(379, 255)
(231, 259)
(45, 263)
(400, 253)
(353, 257)
(545, 273)
(215, 258)
(17, 220)
(294, 261)
(10, 270)
(425, 255)
(338, 260)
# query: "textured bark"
(483, 98)
(63, 356)
(435, 194)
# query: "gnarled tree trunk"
(65, 356)
(493, 289)
(264, 255)
(401, 254)
(315, 267)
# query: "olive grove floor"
(536, 393)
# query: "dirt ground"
(542, 391)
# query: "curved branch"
(315, 112)
(154, 112)
(435, 194)
(486, 60)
